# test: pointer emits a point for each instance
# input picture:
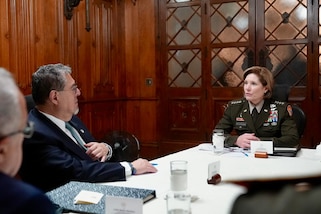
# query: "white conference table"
(233, 166)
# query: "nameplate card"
(213, 169)
(262, 146)
(123, 205)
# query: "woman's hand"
(244, 140)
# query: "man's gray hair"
(10, 110)
(47, 78)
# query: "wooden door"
(274, 34)
(205, 46)
(183, 90)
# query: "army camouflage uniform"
(274, 122)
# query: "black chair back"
(30, 103)
(300, 118)
(281, 93)
(126, 146)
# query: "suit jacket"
(51, 158)
(273, 123)
(19, 197)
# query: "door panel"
(209, 43)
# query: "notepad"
(88, 197)
(64, 195)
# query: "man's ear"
(53, 96)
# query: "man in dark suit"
(15, 195)
(62, 149)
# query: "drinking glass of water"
(178, 203)
(178, 175)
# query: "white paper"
(262, 146)
(205, 147)
(123, 205)
(88, 197)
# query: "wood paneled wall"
(111, 63)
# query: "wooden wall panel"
(142, 105)
(103, 21)
(36, 32)
(104, 117)
(142, 123)
(110, 62)
(20, 34)
(4, 35)
(47, 31)
(88, 52)
(140, 49)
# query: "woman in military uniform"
(257, 116)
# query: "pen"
(154, 164)
(245, 154)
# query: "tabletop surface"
(234, 165)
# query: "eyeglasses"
(74, 89)
(27, 131)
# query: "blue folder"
(63, 196)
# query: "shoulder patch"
(234, 102)
(289, 109)
(279, 102)
(225, 106)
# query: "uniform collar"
(258, 106)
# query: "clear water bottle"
(218, 141)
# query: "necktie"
(254, 115)
(77, 137)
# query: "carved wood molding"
(185, 114)
(110, 2)
(106, 3)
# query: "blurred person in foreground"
(278, 197)
(54, 155)
(257, 116)
(15, 195)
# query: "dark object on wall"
(69, 6)
(125, 145)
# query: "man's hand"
(143, 166)
(97, 151)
